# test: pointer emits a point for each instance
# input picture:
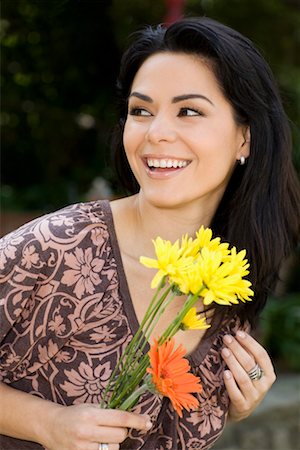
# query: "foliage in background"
(280, 321)
(280, 325)
(60, 61)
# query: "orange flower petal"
(171, 376)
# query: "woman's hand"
(84, 427)
(57, 427)
(241, 354)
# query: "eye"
(140, 112)
(190, 112)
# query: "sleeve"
(52, 277)
(20, 264)
(30, 261)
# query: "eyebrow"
(144, 97)
(178, 98)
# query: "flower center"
(85, 270)
(93, 388)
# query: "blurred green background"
(60, 60)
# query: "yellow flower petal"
(149, 262)
(192, 321)
(169, 260)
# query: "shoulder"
(65, 253)
(62, 229)
(70, 220)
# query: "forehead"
(174, 70)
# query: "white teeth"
(166, 163)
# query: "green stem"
(126, 361)
(175, 325)
(131, 400)
(155, 313)
(129, 386)
(151, 325)
(131, 369)
(172, 329)
(162, 310)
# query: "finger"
(243, 356)
(259, 353)
(118, 418)
(233, 390)
(239, 373)
(110, 446)
(240, 407)
(110, 435)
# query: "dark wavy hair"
(260, 209)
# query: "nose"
(161, 129)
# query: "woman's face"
(180, 136)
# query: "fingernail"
(148, 424)
(225, 352)
(227, 374)
(241, 334)
(228, 339)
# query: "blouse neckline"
(199, 353)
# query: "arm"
(241, 354)
(54, 426)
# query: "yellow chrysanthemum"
(189, 246)
(238, 261)
(192, 321)
(188, 280)
(202, 265)
(168, 261)
(204, 239)
(223, 281)
(204, 236)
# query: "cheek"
(215, 156)
(131, 145)
(132, 137)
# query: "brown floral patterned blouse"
(66, 316)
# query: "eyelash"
(194, 110)
(136, 111)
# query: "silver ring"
(103, 447)
(255, 374)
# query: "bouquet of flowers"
(204, 268)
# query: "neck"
(144, 222)
(169, 223)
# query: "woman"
(202, 140)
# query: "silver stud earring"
(242, 160)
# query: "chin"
(166, 200)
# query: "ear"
(244, 149)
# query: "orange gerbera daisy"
(171, 377)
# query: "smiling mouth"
(154, 163)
